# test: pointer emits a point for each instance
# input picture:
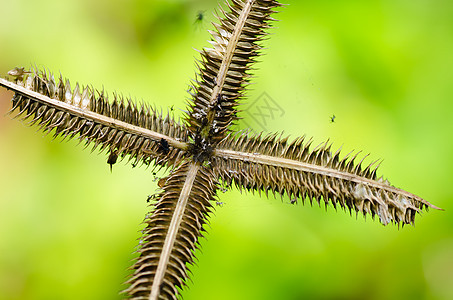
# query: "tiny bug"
(218, 203)
(204, 121)
(293, 201)
(164, 146)
(112, 159)
(219, 98)
(332, 119)
(199, 17)
(218, 102)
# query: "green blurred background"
(68, 227)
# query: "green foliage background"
(68, 227)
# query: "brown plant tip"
(223, 69)
(119, 126)
(271, 163)
(170, 267)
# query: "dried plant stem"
(84, 113)
(315, 169)
(173, 230)
(224, 67)
(229, 52)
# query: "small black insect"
(199, 17)
(218, 203)
(171, 108)
(218, 102)
(147, 161)
(293, 201)
(219, 99)
(149, 198)
(164, 147)
(112, 159)
(332, 119)
(204, 121)
(201, 149)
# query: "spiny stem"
(173, 230)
